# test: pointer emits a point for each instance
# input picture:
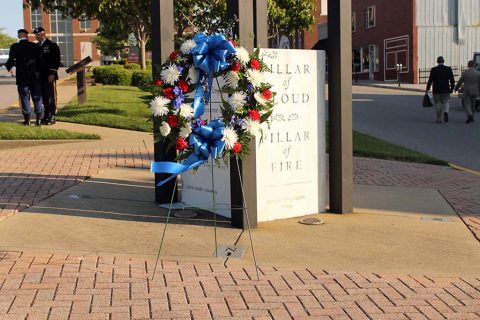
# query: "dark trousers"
(48, 97)
(35, 91)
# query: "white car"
(3, 56)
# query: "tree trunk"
(143, 58)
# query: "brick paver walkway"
(85, 287)
(46, 286)
(27, 177)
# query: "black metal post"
(81, 86)
(340, 105)
(162, 45)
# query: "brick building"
(73, 36)
(412, 33)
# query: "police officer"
(48, 74)
(25, 56)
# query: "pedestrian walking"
(441, 77)
(471, 89)
(25, 57)
(50, 58)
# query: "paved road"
(397, 116)
(8, 89)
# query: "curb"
(388, 87)
(457, 167)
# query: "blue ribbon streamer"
(206, 141)
(209, 57)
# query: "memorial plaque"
(291, 172)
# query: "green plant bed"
(14, 131)
(122, 107)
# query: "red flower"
(172, 121)
(233, 42)
(255, 64)
(183, 85)
(267, 94)
(173, 55)
(235, 66)
(237, 147)
(158, 83)
(181, 144)
(168, 93)
(254, 115)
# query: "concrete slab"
(113, 213)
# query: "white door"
(85, 50)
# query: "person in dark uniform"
(441, 77)
(25, 57)
(48, 74)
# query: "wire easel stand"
(247, 218)
(214, 212)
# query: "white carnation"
(186, 110)
(242, 55)
(230, 137)
(171, 74)
(193, 75)
(165, 129)
(187, 46)
(159, 107)
(251, 126)
(237, 100)
(185, 131)
(255, 77)
(232, 79)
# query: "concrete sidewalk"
(391, 85)
(80, 234)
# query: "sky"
(11, 16)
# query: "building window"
(370, 17)
(36, 18)
(365, 59)
(61, 33)
(354, 22)
(85, 23)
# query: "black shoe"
(26, 119)
(470, 119)
(445, 116)
(51, 121)
(44, 121)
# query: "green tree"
(5, 40)
(289, 16)
(285, 16)
(111, 36)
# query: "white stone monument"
(290, 154)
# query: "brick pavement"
(59, 286)
(47, 286)
(27, 177)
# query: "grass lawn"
(371, 147)
(110, 106)
(127, 108)
(14, 131)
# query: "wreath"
(184, 90)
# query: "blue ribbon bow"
(206, 141)
(209, 57)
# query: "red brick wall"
(79, 35)
(310, 37)
(393, 19)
